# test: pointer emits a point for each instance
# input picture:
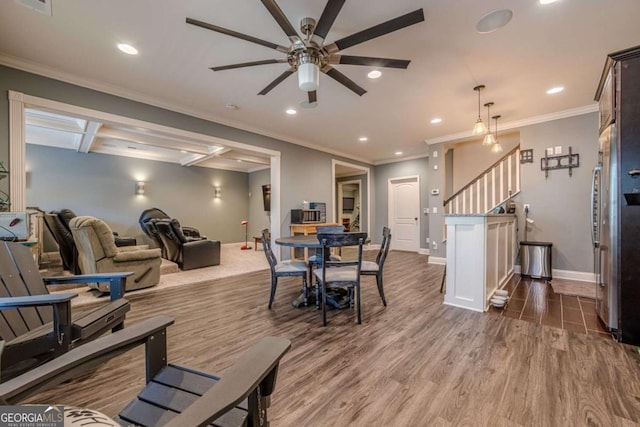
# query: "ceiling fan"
(309, 55)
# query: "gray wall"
(296, 161)
(258, 218)
(436, 181)
(381, 180)
(559, 203)
(102, 185)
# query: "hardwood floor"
(413, 363)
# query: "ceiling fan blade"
(236, 34)
(341, 78)
(313, 96)
(249, 64)
(329, 14)
(369, 61)
(282, 20)
(276, 82)
(376, 31)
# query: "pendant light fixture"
(480, 128)
(489, 138)
(496, 147)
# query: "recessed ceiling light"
(436, 120)
(546, 1)
(374, 74)
(556, 89)
(493, 21)
(363, 139)
(398, 153)
(183, 151)
(127, 48)
(291, 111)
(230, 106)
(239, 160)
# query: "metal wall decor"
(568, 161)
(526, 156)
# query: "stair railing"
(494, 186)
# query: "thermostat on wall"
(435, 191)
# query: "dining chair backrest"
(266, 244)
(341, 239)
(330, 229)
(384, 247)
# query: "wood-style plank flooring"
(535, 301)
(413, 363)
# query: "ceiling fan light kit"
(309, 55)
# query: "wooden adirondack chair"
(174, 395)
(37, 326)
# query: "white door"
(404, 213)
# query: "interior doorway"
(349, 204)
(351, 181)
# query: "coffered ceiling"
(561, 44)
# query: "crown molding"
(400, 159)
(519, 123)
(49, 72)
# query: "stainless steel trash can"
(535, 260)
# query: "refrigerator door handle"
(594, 206)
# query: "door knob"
(415, 219)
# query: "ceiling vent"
(42, 6)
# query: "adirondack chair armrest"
(36, 300)
(86, 357)
(256, 367)
(116, 281)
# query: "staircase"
(494, 186)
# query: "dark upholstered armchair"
(147, 221)
(187, 252)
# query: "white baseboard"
(423, 251)
(580, 276)
(437, 260)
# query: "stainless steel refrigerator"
(604, 233)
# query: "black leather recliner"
(58, 224)
(187, 252)
(147, 220)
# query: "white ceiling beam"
(89, 136)
(153, 141)
(190, 160)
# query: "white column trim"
(17, 164)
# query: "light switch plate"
(435, 210)
(549, 151)
(557, 149)
(435, 154)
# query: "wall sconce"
(140, 187)
(217, 192)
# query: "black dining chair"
(314, 260)
(370, 268)
(283, 268)
(339, 274)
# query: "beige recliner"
(98, 253)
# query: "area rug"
(574, 287)
(233, 261)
